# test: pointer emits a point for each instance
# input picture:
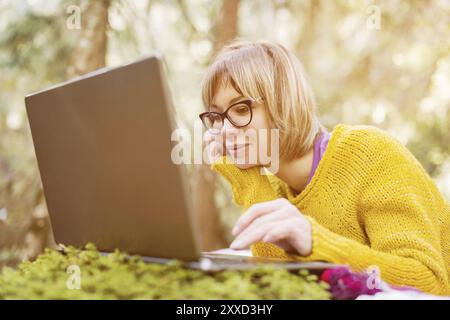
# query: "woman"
(352, 196)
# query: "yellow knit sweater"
(370, 203)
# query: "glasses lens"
(240, 115)
(212, 121)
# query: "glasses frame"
(224, 115)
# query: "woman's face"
(247, 146)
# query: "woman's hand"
(214, 146)
(277, 221)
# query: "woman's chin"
(245, 166)
(242, 162)
(241, 158)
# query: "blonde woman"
(354, 195)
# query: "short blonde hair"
(269, 70)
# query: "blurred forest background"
(383, 63)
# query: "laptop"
(103, 147)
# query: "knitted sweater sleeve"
(400, 216)
(249, 186)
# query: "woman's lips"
(237, 147)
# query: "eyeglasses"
(239, 114)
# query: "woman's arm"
(403, 257)
(249, 186)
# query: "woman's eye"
(241, 109)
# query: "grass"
(53, 275)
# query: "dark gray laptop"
(103, 147)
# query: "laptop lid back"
(103, 147)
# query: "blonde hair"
(269, 70)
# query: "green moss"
(119, 276)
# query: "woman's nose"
(228, 129)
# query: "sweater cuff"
(326, 245)
(249, 186)
(226, 167)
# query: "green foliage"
(120, 276)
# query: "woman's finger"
(281, 236)
(244, 241)
(276, 215)
(213, 146)
(292, 236)
(208, 136)
(256, 211)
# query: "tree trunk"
(227, 27)
(212, 235)
(90, 51)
